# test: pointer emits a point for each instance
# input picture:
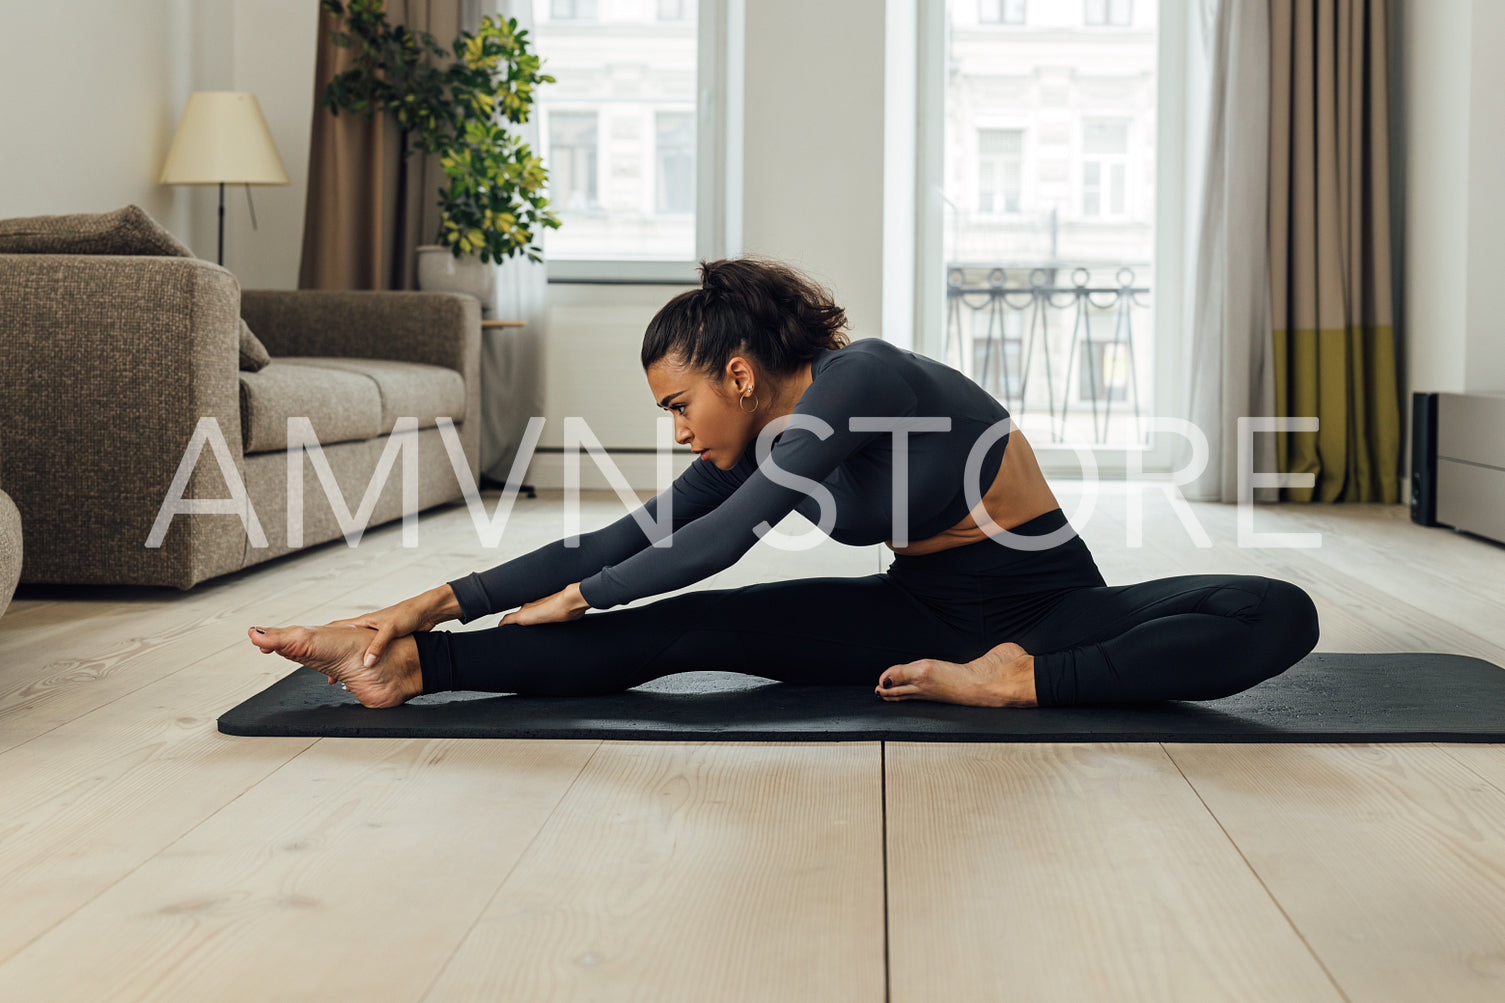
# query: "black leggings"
(1187, 637)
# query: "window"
(1105, 168)
(1044, 150)
(572, 10)
(1000, 11)
(1119, 13)
(634, 135)
(1000, 169)
(572, 162)
(997, 339)
(1102, 375)
(675, 152)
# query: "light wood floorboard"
(143, 855)
(715, 871)
(1074, 872)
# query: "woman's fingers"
(378, 645)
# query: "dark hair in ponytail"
(750, 305)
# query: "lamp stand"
(221, 260)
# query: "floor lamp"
(223, 139)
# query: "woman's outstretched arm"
(547, 570)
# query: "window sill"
(657, 273)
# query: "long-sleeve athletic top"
(717, 515)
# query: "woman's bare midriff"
(1017, 495)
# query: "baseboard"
(639, 469)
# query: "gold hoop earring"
(757, 403)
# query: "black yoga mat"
(1325, 697)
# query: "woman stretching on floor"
(996, 604)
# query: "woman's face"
(713, 424)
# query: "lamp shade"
(222, 138)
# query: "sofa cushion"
(128, 230)
(414, 389)
(341, 405)
(125, 231)
(253, 354)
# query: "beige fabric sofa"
(108, 363)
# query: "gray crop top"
(717, 514)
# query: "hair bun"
(713, 275)
(748, 304)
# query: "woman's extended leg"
(827, 630)
(1187, 637)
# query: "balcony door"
(1050, 130)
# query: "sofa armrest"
(107, 363)
(440, 328)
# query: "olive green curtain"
(1334, 350)
(368, 207)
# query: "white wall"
(1454, 223)
(813, 145)
(273, 45)
(93, 91)
(1484, 338)
(104, 86)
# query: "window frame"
(718, 162)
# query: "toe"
(902, 680)
(296, 642)
(894, 675)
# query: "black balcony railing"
(1019, 338)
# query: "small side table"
(486, 481)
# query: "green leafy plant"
(493, 204)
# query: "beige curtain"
(368, 207)
(1227, 333)
(1334, 353)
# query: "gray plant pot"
(439, 270)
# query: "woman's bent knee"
(1291, 615)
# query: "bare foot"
(337, 652)
(1002, 677)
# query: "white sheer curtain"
(1227, 339)
(512, 358)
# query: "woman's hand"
(410, 616)
(565, 605)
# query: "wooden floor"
(143, 855)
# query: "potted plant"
(493, 206)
